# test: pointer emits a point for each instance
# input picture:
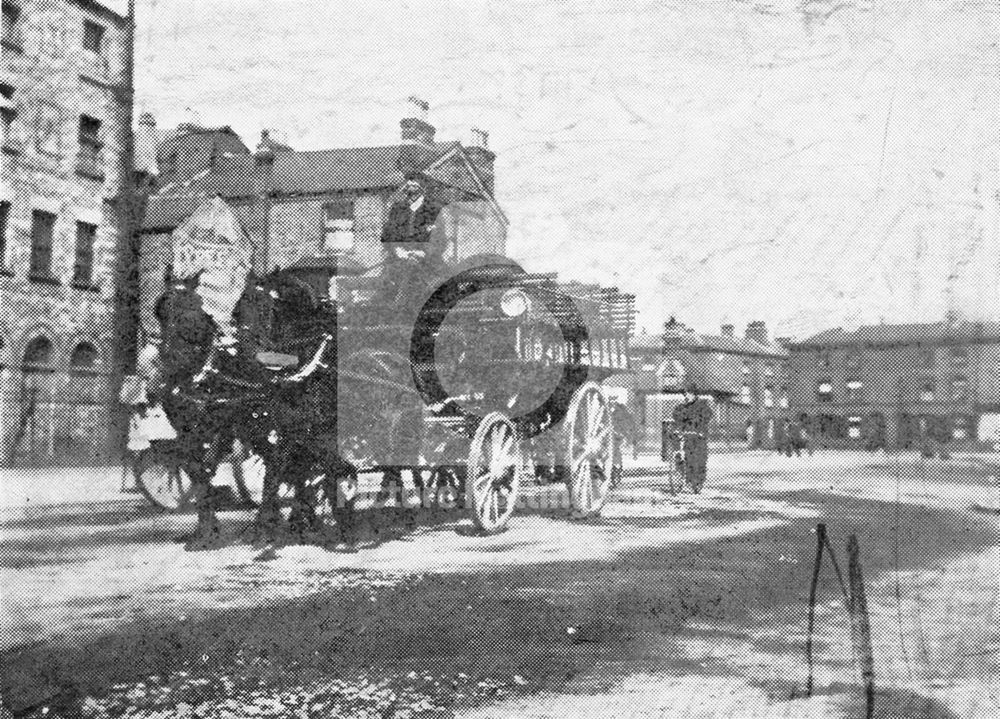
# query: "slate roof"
(929, 333)
(730, 345)
(295, 173)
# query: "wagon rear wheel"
(494, 472)
(589, 450)
(162, 478)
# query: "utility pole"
(128, 206)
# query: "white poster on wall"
(211, 241)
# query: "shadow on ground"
(550, 623)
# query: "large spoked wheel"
(248, 473)
(494, 472)
(589, 450)
(162, 479)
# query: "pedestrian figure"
(793, 438)
(148, 421)
(691, 420)
(807, 441)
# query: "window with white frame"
(927, 390)
(768, 397)
(89, 160)
(338, 225)
(824, 391)
(855, 390)
(745, 394)
(784, 398)
(854, 427)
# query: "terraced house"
(64, 115)
(895, 384)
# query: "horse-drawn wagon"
(486, 378)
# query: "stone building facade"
(896, 385)
(63, 128)
(746, 379)
(293, 205)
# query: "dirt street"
(685, 605)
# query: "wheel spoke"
(486, 508)
(494, 507)
(483, 480)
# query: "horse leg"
(207, 533)
(269, 513)
(342, 492)
(303, 515)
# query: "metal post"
(861, 633)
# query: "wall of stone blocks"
(56, 81)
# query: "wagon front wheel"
(589, 450)
(494, 472)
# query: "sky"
(810, 164)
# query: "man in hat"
(414, 249)
(691, 420)
(412, 215)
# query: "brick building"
(746, 378)
(288, 205)
(893, 384)
(64, 116)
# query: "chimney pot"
(415, 131)
(757, 331)
(264, 153)
(146, 143)
(481, 156)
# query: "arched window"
(38, 354)
(84, 358)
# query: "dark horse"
(216, 389)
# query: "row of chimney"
(416, 133)
(756, 330)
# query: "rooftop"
(902, 334)
(236, 175)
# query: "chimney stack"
(728, 330)
(757, 331)
(145, 145)
(265, 149)
(481, 156)
(673, 334)
(415, 129)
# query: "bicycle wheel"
(162, 479)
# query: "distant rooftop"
(899, 334)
